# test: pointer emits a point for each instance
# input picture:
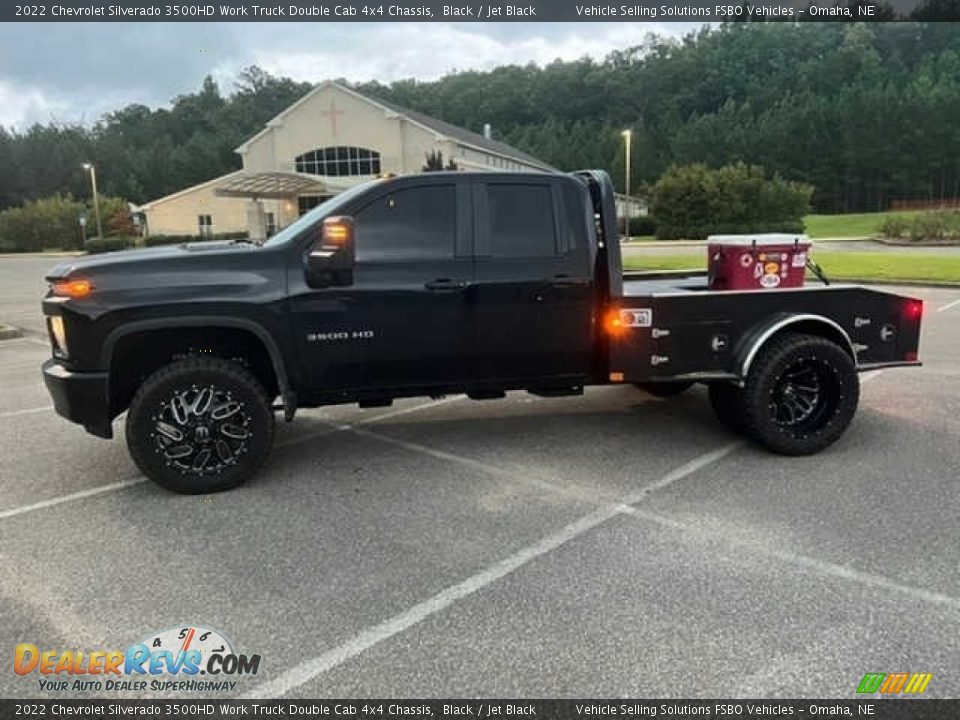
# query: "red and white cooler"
(757, 262)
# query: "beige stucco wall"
(178, 215)
(308, 126)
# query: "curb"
(906, 243)
(703, 243)
(50, 255)
(9, 332)
(894, 281)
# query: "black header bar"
(479, 11)
(354, 709)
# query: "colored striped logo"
(894, 683)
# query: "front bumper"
(80, 397)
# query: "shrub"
(895, 227)
(642, 225)
(111, 243)
(46, 224)
(935, 226)
(694, 201)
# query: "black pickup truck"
(434, 284)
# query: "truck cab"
(458, 281)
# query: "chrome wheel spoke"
(179, 410)
(202, 402)
(169, 431)
(234, 431)
(223, 451)
(201, 459)
(179, 451)
(227, 409)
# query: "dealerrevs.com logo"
(189, 658)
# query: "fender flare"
(755, 340)
(234, 323)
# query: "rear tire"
(800, 395)
(200, 425)
(665, 389)
(726, 399)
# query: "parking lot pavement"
(613, 544)
(21, 289)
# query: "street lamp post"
(89, 167)
(627, 134)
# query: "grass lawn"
(855, 225)
(848, 226)
(838, 265)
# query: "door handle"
(445, 285)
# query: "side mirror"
(332, 256)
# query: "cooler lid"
(759, 239)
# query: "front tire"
(800, 395)
(200, 425)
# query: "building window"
(204, 225)
(339, 161)
(270, 222)
(306, 203)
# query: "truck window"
(521, 220)
(417, 223)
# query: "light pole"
(627, 134)
(96, 201)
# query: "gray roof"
(462, 134)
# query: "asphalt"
(609, 545)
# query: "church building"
(329, 140)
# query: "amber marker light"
(336, 231)
(76, 289)
(613, 322)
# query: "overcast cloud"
(74, 72)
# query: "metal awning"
(271, 185)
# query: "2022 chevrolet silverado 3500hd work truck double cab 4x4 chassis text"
(435, 284)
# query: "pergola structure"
(270, 185)
(259, 186)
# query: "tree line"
(863, 113)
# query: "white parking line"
(28, 411)
(26, 339)
(53, 502)
(948, 306)
(340, 427)
(306, 671)
(821, 567)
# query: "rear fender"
(756, 339)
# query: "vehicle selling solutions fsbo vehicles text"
(683, 11)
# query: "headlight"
(59, 334)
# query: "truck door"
(403, 322)
(534, 293)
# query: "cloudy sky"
(74, 72)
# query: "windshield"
(314, 216)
